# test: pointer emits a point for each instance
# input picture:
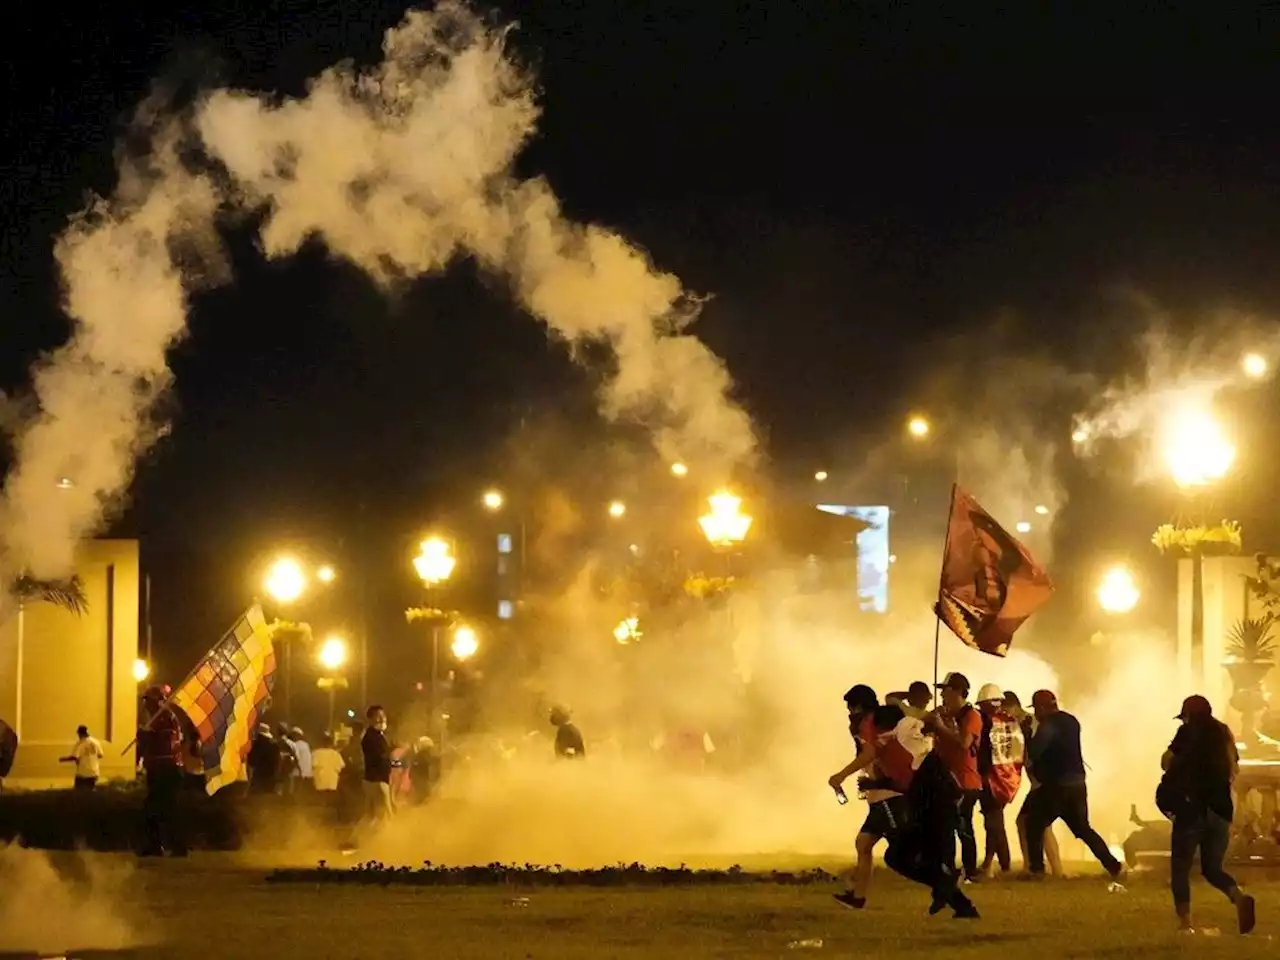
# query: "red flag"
(990, 582)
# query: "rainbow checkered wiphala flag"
(226, 693)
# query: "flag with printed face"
(225, 695)
(990, 582)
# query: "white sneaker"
(1115, 886)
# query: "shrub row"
(501, 874)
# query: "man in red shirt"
(160, 746)
(957, 727)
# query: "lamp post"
(495, 501)
(434, 565)
(332, 656)
(1117, 591)
(1197, 454)
(285, 582)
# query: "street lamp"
(285, 581)
(493, 500)
(326, 574)
(434, 565)
(726, 525)
(1196, 451)
(1042, 510)
(465, 642)
(679, 470)
(821, 476)
(1117, 592)
(919, 427)
(1254, 365)
(141, 670)
(333, 653)
(435, 561)
(1022, 526)
(617, 509)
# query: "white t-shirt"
(88, 754)
(326, 764)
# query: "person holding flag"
(160, 747)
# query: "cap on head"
(264, 729)
(155, 692)
(990, 693)
(919, 689)
(861, 697)
(1044, 700)
(1195, 706)
(1011, 699)
(82, 731)
(957, 682)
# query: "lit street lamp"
(821, 476)
(1117, 592)
(679, 470)
(493, 500)
(465, 642)
(141, 670)
(1042, 510)
(326, 574)
(434, 565)
(726, 525)
(617, 509)
(1022, 526)
(285, 580)
(1254, 365)
(919, 427)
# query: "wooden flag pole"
(937, 610)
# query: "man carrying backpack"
(1195, 794)
(1001, 755)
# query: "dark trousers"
(964, 832)
(922, 849)
(997, 835)
(1070, 804)
(163, 829)
(1211, 834)
(86, 783)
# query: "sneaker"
(1115, 886)
(847, 899)
(1246, 913)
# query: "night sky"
(859, 184)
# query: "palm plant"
(68, 594)
(1250, 640)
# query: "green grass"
(176, 904)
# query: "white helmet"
(990, 693)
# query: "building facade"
(59, 670)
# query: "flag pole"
(942, 567)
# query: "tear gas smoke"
(44, 912)
(1179, 375)
(400, 169)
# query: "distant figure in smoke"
(264, 762)
(1013, 707)
(568, 738)
(160, 745)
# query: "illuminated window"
(503, 566)
(506, 610)
(504, 543)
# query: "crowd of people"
(924, 772)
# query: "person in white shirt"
(326, 766)
(87, 756)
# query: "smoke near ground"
(45, 912)
(401, 169)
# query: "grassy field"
(210, 907)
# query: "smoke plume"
(45, 913)
(401, 169)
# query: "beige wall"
(58, 670)
(1226, 600)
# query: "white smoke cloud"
(400, 169)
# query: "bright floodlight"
(679, 470)
(493, 500)
(435, 561)
(141, 670)
(617, 509)
(918, 427)
(285, 580)
(820, 476)
(1079, 435)
(1042, 510)
(326, 574)
(1254, 365)
(1118, 593)
(1196, 451)
(1022, 526)
(65, 483)
(725, 525)
(333, 653)
(465, 643)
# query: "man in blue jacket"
(1055, 756)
